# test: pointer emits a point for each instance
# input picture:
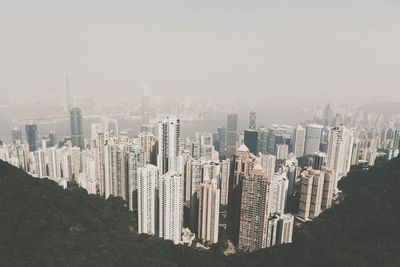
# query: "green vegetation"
(43, 225)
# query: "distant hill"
(43, 225)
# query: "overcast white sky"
(290, 50)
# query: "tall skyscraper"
(231, 135)
(225, 172)
(148, 200)
(147, 142)
(328, 191)
(40, 163)
(278, 190)
(170, 207)
(252, 120)
(340, 145)
(263, 140)
(254, 211)
(251, 140)
(168, 146)
(145, 106)
(242, 164)
(16, 135)
(31, 136)
(299, 141)
(312, 182)
(221, 140)
(135, 161)
(209, 212)
(313, 138)
(77, 137)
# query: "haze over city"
(262, 52)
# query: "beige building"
(254, 211)
(209, 212)
(312, 183)
(328, 191)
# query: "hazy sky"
(285, 51)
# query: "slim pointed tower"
(68, 94)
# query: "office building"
(77, 137)
(32, 136)
(313, 138)
(252, 120)
(251, 141)
(231, 135)
(16, 135)
(299, 141)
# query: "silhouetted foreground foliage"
(43, 225)
(363, 230)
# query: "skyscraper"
(242, 164)
(209, 211)
(312, 182)
(221, 140)
(231, 135)
(170, 207)
(328, 191)
(31, 136)
(145, 107)
(148, 200)
(225, 172)
(299, 141)
(254, 211)
(77, 137)
(168, 146)
(251, 140)
(135, 161)
(277, 135)
(313, 138)
(252, 120)
(16, 135)
(263, 140)
(340, 145)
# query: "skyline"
(285, 52)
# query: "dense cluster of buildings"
(172, 184)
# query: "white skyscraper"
(135, 161)
(209, 211)
(168, 146)
(340, 145)
(170, 207)
(148, 200)
(279, 185)
(313, 138)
